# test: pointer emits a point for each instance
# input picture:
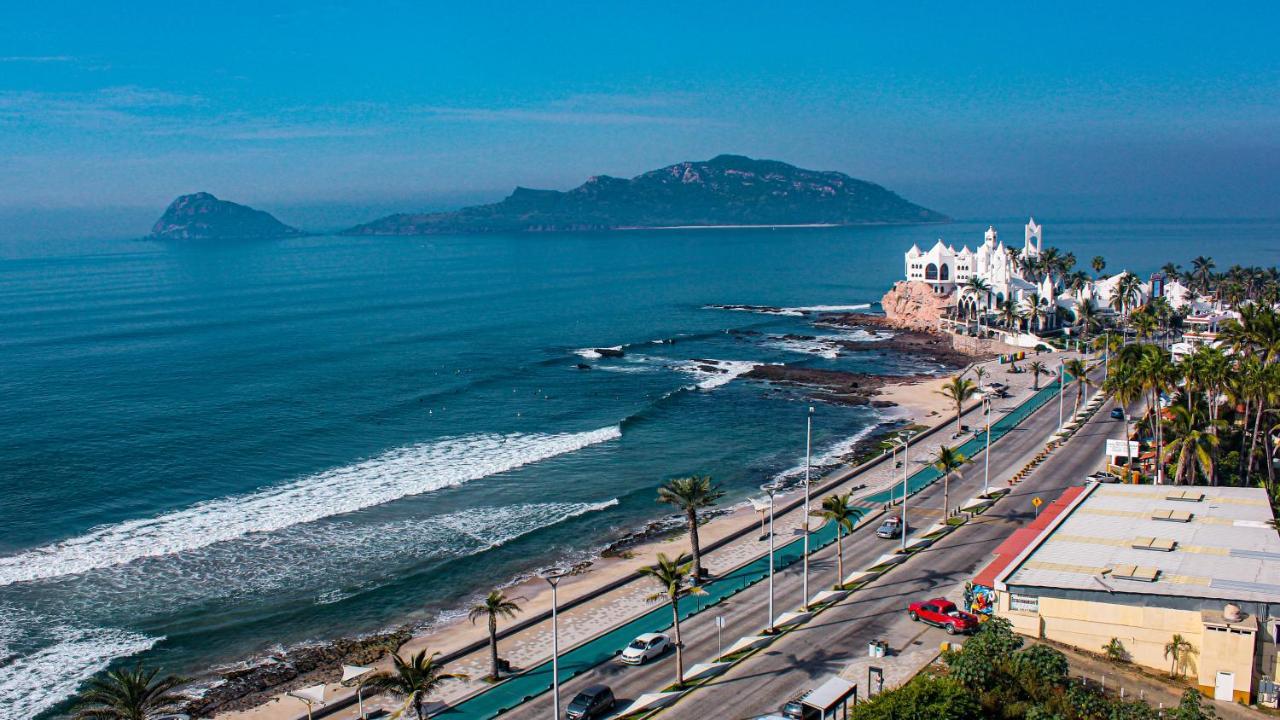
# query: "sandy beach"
(916, 401)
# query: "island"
(201, 216)
(727, 190)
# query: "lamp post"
(1061, 380)
(905, 439)
(771, 489)
(808, 463)
(986, 452)
(553, 581)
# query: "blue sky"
(1148, 110)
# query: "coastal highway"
(824, 646)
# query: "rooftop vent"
(1171, 515)
(1141, 573)
(1185, 496)
(1160, 544)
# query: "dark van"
(593, 702)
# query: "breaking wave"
(395, 474)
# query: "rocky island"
(201, 216)
(728, 190)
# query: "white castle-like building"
(948, 272)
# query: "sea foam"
(410, 470)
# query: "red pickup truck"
(941, 612)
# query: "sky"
(333, 113)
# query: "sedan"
(644, 648)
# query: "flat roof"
(830, 694)
(1165, 540)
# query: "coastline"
(910, 399)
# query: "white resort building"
(1009, 273)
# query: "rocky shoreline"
(926, 345)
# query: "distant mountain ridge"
(725, 190)
(201, 216)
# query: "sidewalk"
(528, 647)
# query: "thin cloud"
(37, 59)
(561, 114)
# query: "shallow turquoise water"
(212, 450)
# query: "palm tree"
(1202, 271)
(1010, 313)
(1156, 373)
(979, 372)
(1171, 270)
(1034, 310)
(978, 288)
(128, 695)
(1080, 371)
(670, 574)
(691, 494)
(958, 390)
(1128, 291)
(1144, 323)
(1191, 447)
(1037, 369)
(1087, 318)
(840, 510)
(1125, 384)
(947, 461)
(1098, 264)
(412, 678)
(495, 605)
(1176, 648)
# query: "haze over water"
(211, 450)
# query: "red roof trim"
(1023, 537)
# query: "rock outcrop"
(913, 305)
(201, 216)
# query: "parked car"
(1117, 413)
(591, 703)
(941, 612)
(890, 528)
(1102, 477)
(797, 710)
(645, 648)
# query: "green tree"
(413, 678)
(1115, 651)
(925, 697)
(958, 390)
(839, 509)
(691, 494)
(1098, 263)
(947, 461)
(1080, 371)
(128, 695)
(1190, 448)
(495, 605)
(670, 574)
(1192, 707)
(1037, 369)
(1176, 651)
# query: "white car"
(645, 647)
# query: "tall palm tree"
(1010, 313)
(670, 574)
(413, 678)
(1080, 371)
(128, 695)
(1087, 318)
(1037, 369)
(947, 460)
(1176, 648)
(1156, 373)
(958, 390)
(1202, 270)
(1124, 383)
(979, 372)
(839, 509)
(691, 494)
(1190, 447)
(1098, 263)
(1144, 323)
(1128, 291)
(977, 288)
(1034, 310)
(495, 605)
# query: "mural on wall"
(979, 599)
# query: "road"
(830, 641)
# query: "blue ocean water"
(213, 450)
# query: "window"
(931, 272)
(1024, 603)
(945, 274)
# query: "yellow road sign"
(1036, 501)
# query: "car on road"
(890, 528)
(594, 702)
(1117, 413)
(941, 612)
(645, 648)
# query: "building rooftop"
(1167, 540)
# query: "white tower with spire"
(1034, 239)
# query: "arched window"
(931, 272)
(946, 272)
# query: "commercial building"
(1141, 564)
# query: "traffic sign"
(1036, 501)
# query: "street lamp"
(986, 452)
(553, 581)
(905, 439)
(771, 489)
(808, 463)
(1061, 381)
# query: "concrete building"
(1142, 563)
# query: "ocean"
(213, 451)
